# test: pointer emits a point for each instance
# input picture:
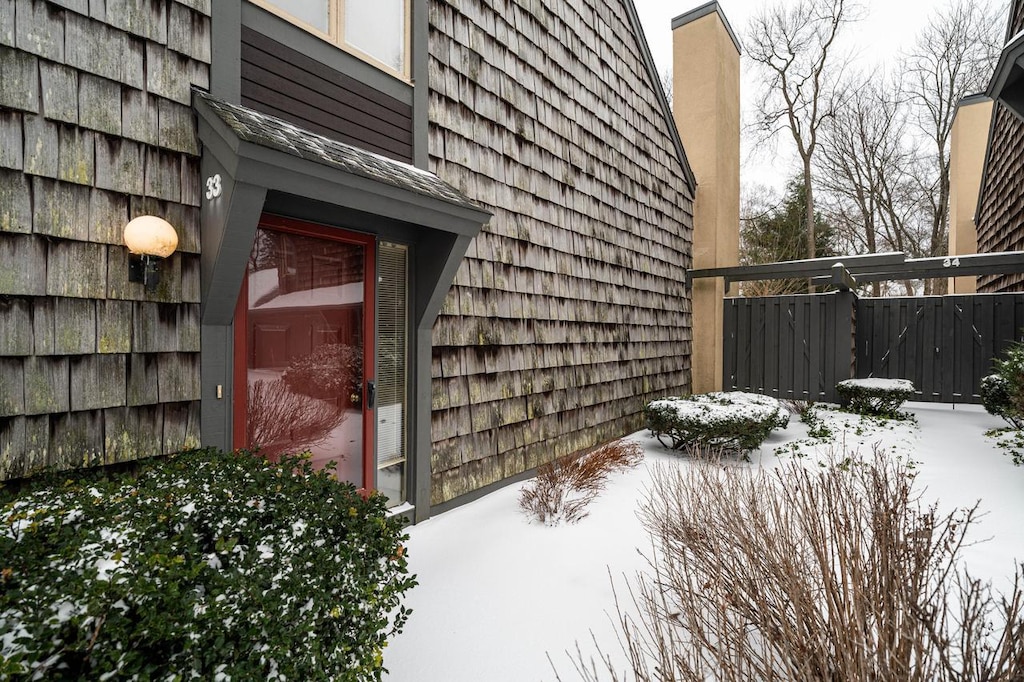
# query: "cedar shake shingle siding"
(1000, 214)
(96, 127)
(569, 312)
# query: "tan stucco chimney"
(706, 107)
(968, 141)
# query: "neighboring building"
(444, 241)
(968, 141)
(706, 66)
(1000, 213)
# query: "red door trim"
(242, 346)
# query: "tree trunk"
(811, 253)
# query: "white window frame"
(336, 34)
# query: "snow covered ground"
(499, 595)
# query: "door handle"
(371, 394)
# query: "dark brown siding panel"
(283, 82)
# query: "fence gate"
(798, 347)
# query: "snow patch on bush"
(734, 422)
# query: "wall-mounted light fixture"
(149, 240)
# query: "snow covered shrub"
(995, 397)
(731, 422)
(206, 565)
(333, 370)
(806, 574)
(876, 397)
(1002, 393)
(563, 488)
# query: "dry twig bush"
(563, 488)
(281, 420)
(797, 574)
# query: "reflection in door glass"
(304, 347)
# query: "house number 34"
(213, 187)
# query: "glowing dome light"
(150, 236)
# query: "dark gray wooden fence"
(799, 347)
(795, 347)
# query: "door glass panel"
(392, 351)
(305, 349)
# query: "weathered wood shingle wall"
(569, 312)
(96, 127)
(1001, 208)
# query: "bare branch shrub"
(563, 488)
(799, 574)
(281, 421)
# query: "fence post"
(844, 344)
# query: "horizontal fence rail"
(798, 347)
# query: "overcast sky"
(888, 27)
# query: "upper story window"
(376, 29)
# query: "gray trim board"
(666, 109)
(216, 365)
(875, 267)
(421, 84)
(810, 267)
(226, 64)
(482, 492)
(228, 225)
(976, 98)
(699, 12)
(1007, 84)
(943, 266)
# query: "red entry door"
(304, 347)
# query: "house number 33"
(213, 187)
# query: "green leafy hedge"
(734, 422)
(206, 565)
(1002, 392)
(876, 397)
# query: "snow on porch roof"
(275, 133)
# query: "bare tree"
(864, 170)
(667, 84)
(953, 57)
(794, 47)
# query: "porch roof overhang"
(254, 153)
(846, 272)
(1007, 84)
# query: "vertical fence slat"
(771, 342)
(729, 347)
